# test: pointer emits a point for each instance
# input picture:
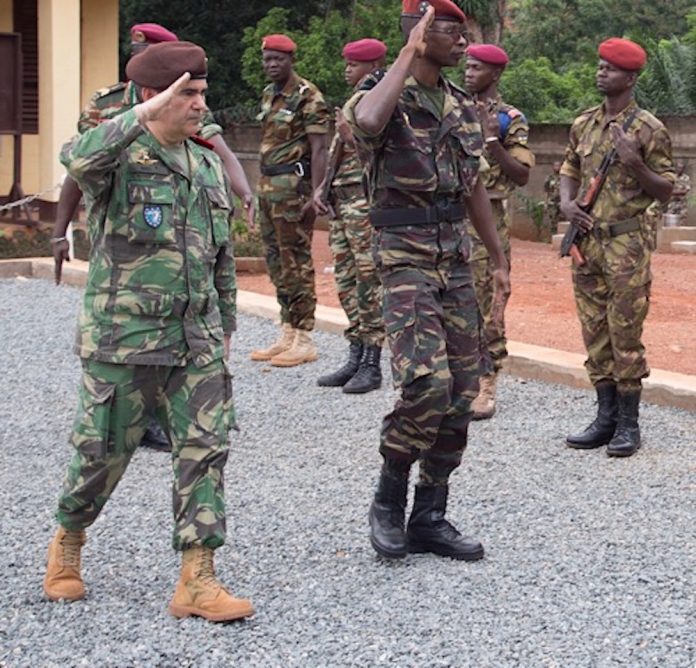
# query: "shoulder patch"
(110, 90)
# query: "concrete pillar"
(99, 46)
(59, 89)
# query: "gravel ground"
(589, 561)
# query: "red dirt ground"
(541, 310)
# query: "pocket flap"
(218, 196)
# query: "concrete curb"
(525, 360)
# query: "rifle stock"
(331, 169)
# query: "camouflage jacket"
(622, 196)
(350, 171)
(514, 136)
(161, 287)
(287, 117)
(109, 102)
(422, 154)
(552, 188)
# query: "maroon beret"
(365, 50)
(622, 53)
(444, 9)
(279, 43)
(488, 53)
(160, 65)
(152, 33)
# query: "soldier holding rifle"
(606, 204)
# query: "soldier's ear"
(147, 93)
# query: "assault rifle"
(568, 244)
(335, 160)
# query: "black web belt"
(444, 212)
(299, 168)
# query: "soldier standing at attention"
(424, 141)
(294, 125)
(350, 237)
(552, 196)
(612, 286)
(506, 133)
(155, 326)
(108, 103)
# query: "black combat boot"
(369, 374)
(155, 439)
(347, 371)
(429, 531)
(627, 437)
(601, 431)
(387, 514)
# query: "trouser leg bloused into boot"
(388, 510)
(369, 374)
(626, 439)
(283, 343)
(347, 371)
(601, 429)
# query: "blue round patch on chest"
(153, 215)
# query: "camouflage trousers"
(287, 238)
(116, 403)
(612, 293)
(482, 267)
(432, 328)
(357, 282)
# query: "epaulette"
(110, 90)
(202, 142)
(371, 80)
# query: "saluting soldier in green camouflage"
(612, 285)
(108, 103)
(350, 238)
(424, 142)
(156, 320)
(506, 134)
(294, 124)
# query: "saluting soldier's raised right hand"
(416, 38)
(152, 109)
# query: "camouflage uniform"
(160, 295)
(499, 187)
(612, 289)
(350, 238)
(680, 205)
(287, 117)
(424, 156)
(552, 200)
(109, 102)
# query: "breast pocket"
(151, 213)
(220, 214)
(409, 162)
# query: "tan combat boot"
(284, 342)
(302, 350)
(199, 593)
(484, 404)
(63, 579)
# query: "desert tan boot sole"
(296, 362)
(183, 611)
(63, 597)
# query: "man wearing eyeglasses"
(506, 134)
(424, 143)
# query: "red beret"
(279, 43)
(160, 65)
(444, 9)
(365, 50)
(622, 53)
(153, 33)
(488, 53)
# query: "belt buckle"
(444, 211)
(299, 169)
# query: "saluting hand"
(416, 39)
(153, 108)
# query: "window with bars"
(25, 18)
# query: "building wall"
(99, 46)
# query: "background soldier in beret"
(612, 287)
(108, 103)
(552, 196)
(155, 326)
(424, 140)
(506, 134)
(679, 201)
(294, 123)
(350, 237)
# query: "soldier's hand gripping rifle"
(568, 243)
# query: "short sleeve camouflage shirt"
(288, 117)
(622, 196)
